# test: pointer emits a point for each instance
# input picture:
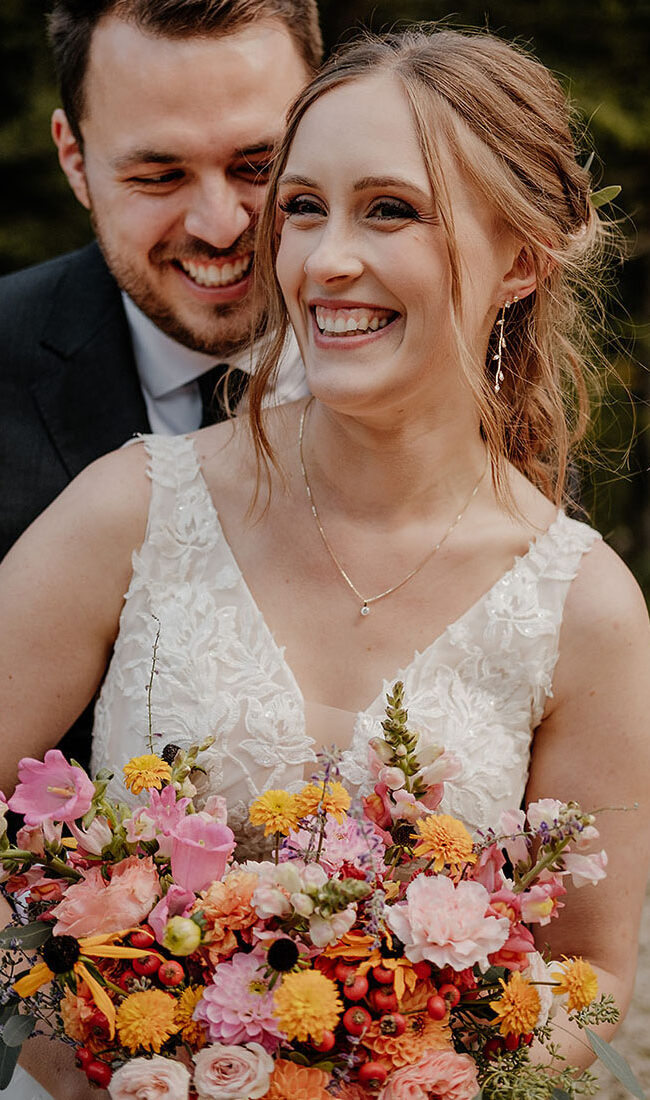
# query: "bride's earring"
(497, 358)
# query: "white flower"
(324, 930)
(538, 971)
(153, 1078)
(232, 1072)
(584, 869)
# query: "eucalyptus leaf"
(9, 1010)
(615, 1063)
(560, 1094)
(17, 1029)
(8, 1059)
(28, 935)
(605, 195)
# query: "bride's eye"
(393, 210)
(301, 206)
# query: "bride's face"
(363, 261)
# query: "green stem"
(540, 866)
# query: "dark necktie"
(212, 387)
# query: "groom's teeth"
(359, 319)
(218, 274)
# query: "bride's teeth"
(339, 325)
(351, 325)
(383, 322)
(374, 324)
(343, 322)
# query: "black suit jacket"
(69, 392)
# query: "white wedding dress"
(479, 689)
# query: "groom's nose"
(218, 211)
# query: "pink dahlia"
(238, 1007)
(51, 789)
(447, 924)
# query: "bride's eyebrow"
(371, 183)
(296, 181)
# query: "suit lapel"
(88, 392)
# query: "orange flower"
(445, 841)
(227, 908)
(421, 1036)
(335, 800)
(297, 1082)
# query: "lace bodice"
(479, 689)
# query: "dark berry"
(169, 752)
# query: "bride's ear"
(521, 279)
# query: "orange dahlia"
(297, 1082)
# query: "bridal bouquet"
(377, 950)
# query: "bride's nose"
(334, 255)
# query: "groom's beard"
(155, 285)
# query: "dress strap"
(180, 503)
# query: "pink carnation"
(51, 789)
(442, 1073)
(446, 924)
(93, 906)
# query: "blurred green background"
(600, 51)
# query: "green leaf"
(605, 195)
(615, 1063)
(560, 1094)
(17, 1029)
(29, 936)
(8, 1059)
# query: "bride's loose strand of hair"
(505, 119)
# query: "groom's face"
(178, 136)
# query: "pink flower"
(94, 906)
(51, 789)
(177, 902)
(140, 826)
(345, 842)
(515, 951)
(584, 869)
(200, 851)
(440, 1073)
(539, 903)
(166, 810)
(34, 838)
(513, 822)
(237, 1007)
(217, 807)
(546, 811)
(443, 767)
(94, 839)
(446, 924)
(487, 869)
(377, 808)
(232, 1072)
(153, 1078)
(394, 778)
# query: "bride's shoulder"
(605, 598)
(110, 497)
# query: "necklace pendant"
(365, 610)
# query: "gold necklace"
(367, 600)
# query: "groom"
(170, 111)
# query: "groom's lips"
(225, 280)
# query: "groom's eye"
(159, 180)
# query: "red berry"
(372, 1074)
(436, 1007)
(528, 1038)
(343, 970)
(326, 1044)
(99, 1073)
(423, 970)
(383, 975)
(143, 938)
(355, 987)
(512, 1042)
(98, 1022)
(451, 994)
(170, 972)
(147, 965)
(493, 1046)
(126, 979)
(383, 1000)
(84, 1057)
(393, 1023)
(356, 1019)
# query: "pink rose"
(441, 1073)
(51, 789)
(447, 924)
(200, 852)
(232, 1072)
(153, 1078)
(94, 906)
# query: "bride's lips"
(225, 280)
(347, 324)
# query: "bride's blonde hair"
(505, 119)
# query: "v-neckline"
(418, 655)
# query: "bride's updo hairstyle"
(505, 119)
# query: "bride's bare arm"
(61, 592)
(594, 747)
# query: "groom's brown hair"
(72, 22)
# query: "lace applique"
(479, 690)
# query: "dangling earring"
(499, 376)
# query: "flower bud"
(181, 936)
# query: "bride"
(432, 237)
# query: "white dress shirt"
(168, 372)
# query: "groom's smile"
(178, 135)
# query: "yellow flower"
(307, 1004)
(335, 800)
(143, 772)
(276, 811)
(445, 840)
(192, 1031)
(518, 1006)
(146, 1020)
(578, 979)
